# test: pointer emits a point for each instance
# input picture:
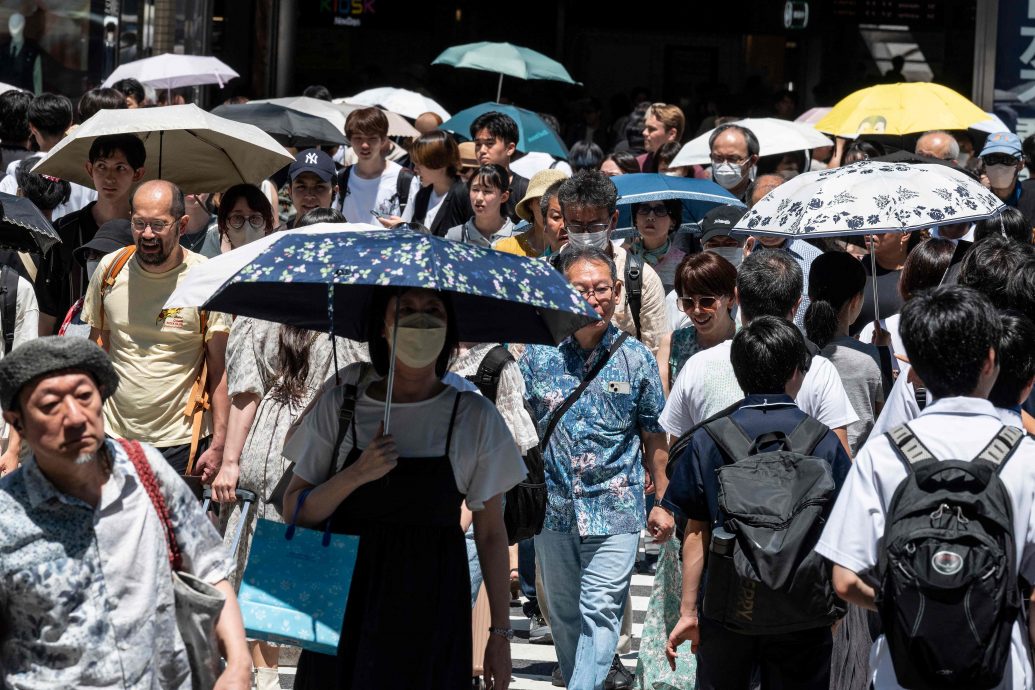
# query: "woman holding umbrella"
(656, 223)
(405, 506)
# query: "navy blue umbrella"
(698, 196)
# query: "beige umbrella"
(198, 151)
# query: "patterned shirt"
(86, 594)
(594, 470)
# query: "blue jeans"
(587, 582)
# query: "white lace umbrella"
(403, 101)
(172, 71)
(774, 136)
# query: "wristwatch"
(506, 633)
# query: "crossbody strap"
(574, 395)
(150, 484)
(346, 417)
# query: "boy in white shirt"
(374, 187)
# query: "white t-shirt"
(889, 324)
(378, 194)
(485, 460)
(900, 407)
(79, 197)
(434, 206)
(956, 428)
(706, 385)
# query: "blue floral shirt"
(594, 470)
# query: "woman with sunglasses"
(704, 285)
(656, 223)
(244, 216)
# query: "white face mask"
(91, 266)
(732, 254)
(1000, 176)
(419, 340)
(588, 240)
(727, 175)
(239, 237)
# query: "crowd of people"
(822, 484)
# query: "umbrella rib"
(226, 155)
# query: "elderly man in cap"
(86, 596)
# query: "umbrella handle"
(499, 88)
(873, 283)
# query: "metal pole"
(499, 88)
(873, 271)
(391, 365)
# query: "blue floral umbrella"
(698, 196)
(329, 280)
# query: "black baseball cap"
(719, 221)
(111, 237)
(314, 161)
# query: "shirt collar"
(571, 345)
(40, 490)
(960, 405)
(767, 400)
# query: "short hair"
(548, 195)
(45, 191)
(925, 266)
(436, 149)
(667, 153)
(319, 215)
(625, 161)
(95, 100)
(500, 126)
(380, 351)
(705, 273)
(371, 122)
(763, 180)
(749, 137)
(769, 283)
(130, 88)
(14, 116)
(948, 331)
(317, 91)
(675, 212)
(1016, 359)
(863, 149)
(670, 116)
(573, 255)
(177, 206)
(254, 198)
(988, 265)
(585, 156)
(835, 278)
(1009, 223)
(954, 146)
(765, 353)
(495, 176)
(588, 188)
(129, 144)
(50, 114)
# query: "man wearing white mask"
(1003, 158)
(734, 153)
(589, 204)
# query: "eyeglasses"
(999, 159)
(577, 228)
(705, 303)
(139, 224)
(255, 220)
(659, 210)
(600, 292)
(736, 162)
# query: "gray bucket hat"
(49, 355)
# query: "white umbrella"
(398, 126)
(403, 101)
(172, 71)
(196, 150)
(992, 125)
(204, 280)
(774, 136)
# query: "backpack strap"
(634, 287)
(346, 416)
(1002, 447)
(199, 401)
(683, 442)
(489, 371)
(908, 447)
(8, 305)
(343, 186)
(108, 282)
(730, 439)
(402, 188)
(807, 435)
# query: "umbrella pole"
(161, 140)
(391, 367)
(499, 88)
(873, 282)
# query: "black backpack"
(525, 507)
(8, 305)
(634, 287)
(764, 576)
(949, 595)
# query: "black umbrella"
(288, 127)
(23, 228)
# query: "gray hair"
(749, 137)
(954, 146)
(548, 195)
(573, 255)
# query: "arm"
(655, 456)
(842, 436)
(490, 536)
(852, 589)
(230, 633)
(242, 414)
(102, 338)
(9, 460)
(664, 351)
(697, 535)
(215, 355)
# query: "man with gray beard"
(161, 354)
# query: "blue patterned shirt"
(594, 470)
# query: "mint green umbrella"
(504, 59)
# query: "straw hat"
(537, 186)
(468, 159)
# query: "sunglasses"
(999, 159)
(659, 210)
(705, 303)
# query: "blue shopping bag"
(296, 585)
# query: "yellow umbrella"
(900, 109)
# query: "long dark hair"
(835, 278)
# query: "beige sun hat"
(537, 186)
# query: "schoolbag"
(8, 305)
(402, 186)
(634, 287)
(764, 576)
(524, 510)
(949, 595)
